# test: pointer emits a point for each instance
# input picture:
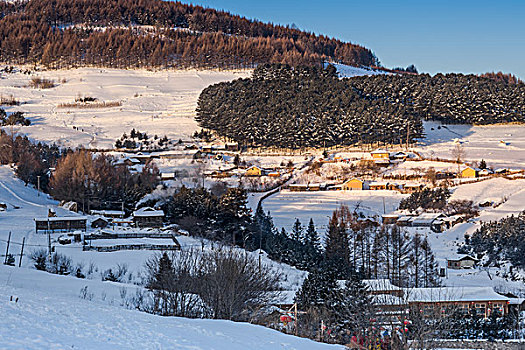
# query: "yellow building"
(380, 154)
(469, 172)
(353, 185)
(253, 171)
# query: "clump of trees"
(498, 242)
(41, 83)
(141, 140)
(15, 118)
(427, 198)
(223, 283)
(93, 181)
(32, 160)
(287, 107)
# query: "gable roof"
(147, 212)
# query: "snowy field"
(50, 314)
(499, 145)
(160, 103)
(286, 206)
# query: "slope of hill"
(43, 319)
(161, 103)
(138, 33)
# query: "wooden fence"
(115, 248)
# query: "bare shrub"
(41, 83)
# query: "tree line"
(303, 107)
(282, 106)
(138, 33)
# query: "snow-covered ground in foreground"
(286, 206)
(50, 314)
(498, 145)
(161, 103)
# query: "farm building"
(99, 223)
(470, 172)
(253, 171)
(380, 154)
(354, 185)
(148, 217)
(433, 220)
(412, 187)
(389, 219)
(63, 223)
(376, 185)
(461, 262)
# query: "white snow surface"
(346, 71)
(156, 102)
(50, 314)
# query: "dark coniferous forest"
(155, 33)
(288, 107)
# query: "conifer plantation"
(286, 107)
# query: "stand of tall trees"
(94, 181)
(140, 33)
(282, 106)
(304, 107)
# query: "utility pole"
(408, 134)
(48, 239)
(21, 252)
(38, 185)
(7, 249)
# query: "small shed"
(390, 219)
(99, 223)
(462, 262)
(148, 217)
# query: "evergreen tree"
(337, 250)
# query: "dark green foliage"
(482, 164)
(426, 199)
(472, 326)
(303, 107)
(225, 218)
(499, 241)
(13, 119)
(337, 250)
(310, 107)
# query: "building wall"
(353, 185)
(253, 172)
(469, 173)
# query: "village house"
(378, 185)
(432, 220)
(354, 185)
(433, 302)
(380, 154)
(469, 172)
(99, 222)
(461, 262)
(254, 171)
(63, 223)
(411, 187)
(437, 301)
(148, 217)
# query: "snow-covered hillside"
(161, 103)
(346, 71)
(50, 314)
(498, 145)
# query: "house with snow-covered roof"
(148, 217)
(462, 261)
